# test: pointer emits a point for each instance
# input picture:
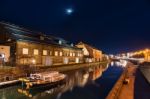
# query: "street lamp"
(33, 61)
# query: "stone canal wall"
(62, 68)
(13, 73)
(10, 73)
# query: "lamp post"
(33, 63)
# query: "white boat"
(44, 78)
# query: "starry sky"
(111, 25)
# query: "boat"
(51, 78)
(46, 89)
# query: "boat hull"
(48, 84)
(31, 85)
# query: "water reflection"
(122, 63)
(10, 93)
(76, 79)
(82, 77)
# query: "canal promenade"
(136, 88)
(115, 91)
(127, 90)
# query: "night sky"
(111, 25)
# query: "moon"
(69, 11)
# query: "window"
(25, 51)
(56, 53)
(44, 52)
(36, 52)
(71, 54)
(60, 53)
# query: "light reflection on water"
(90, 83)
(122, 63)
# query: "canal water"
(88, 83)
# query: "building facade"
(147, 55)
(20, 46)
(90, 53)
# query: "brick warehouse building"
(90, 53)
(20, 46)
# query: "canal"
(88, 83)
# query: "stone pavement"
(127, 91)
(138, 87)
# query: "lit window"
(60, 53)
(44, 52)
(73, 54)
(36, 52)
(25, 51)
(56, 53)
(70, 54)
